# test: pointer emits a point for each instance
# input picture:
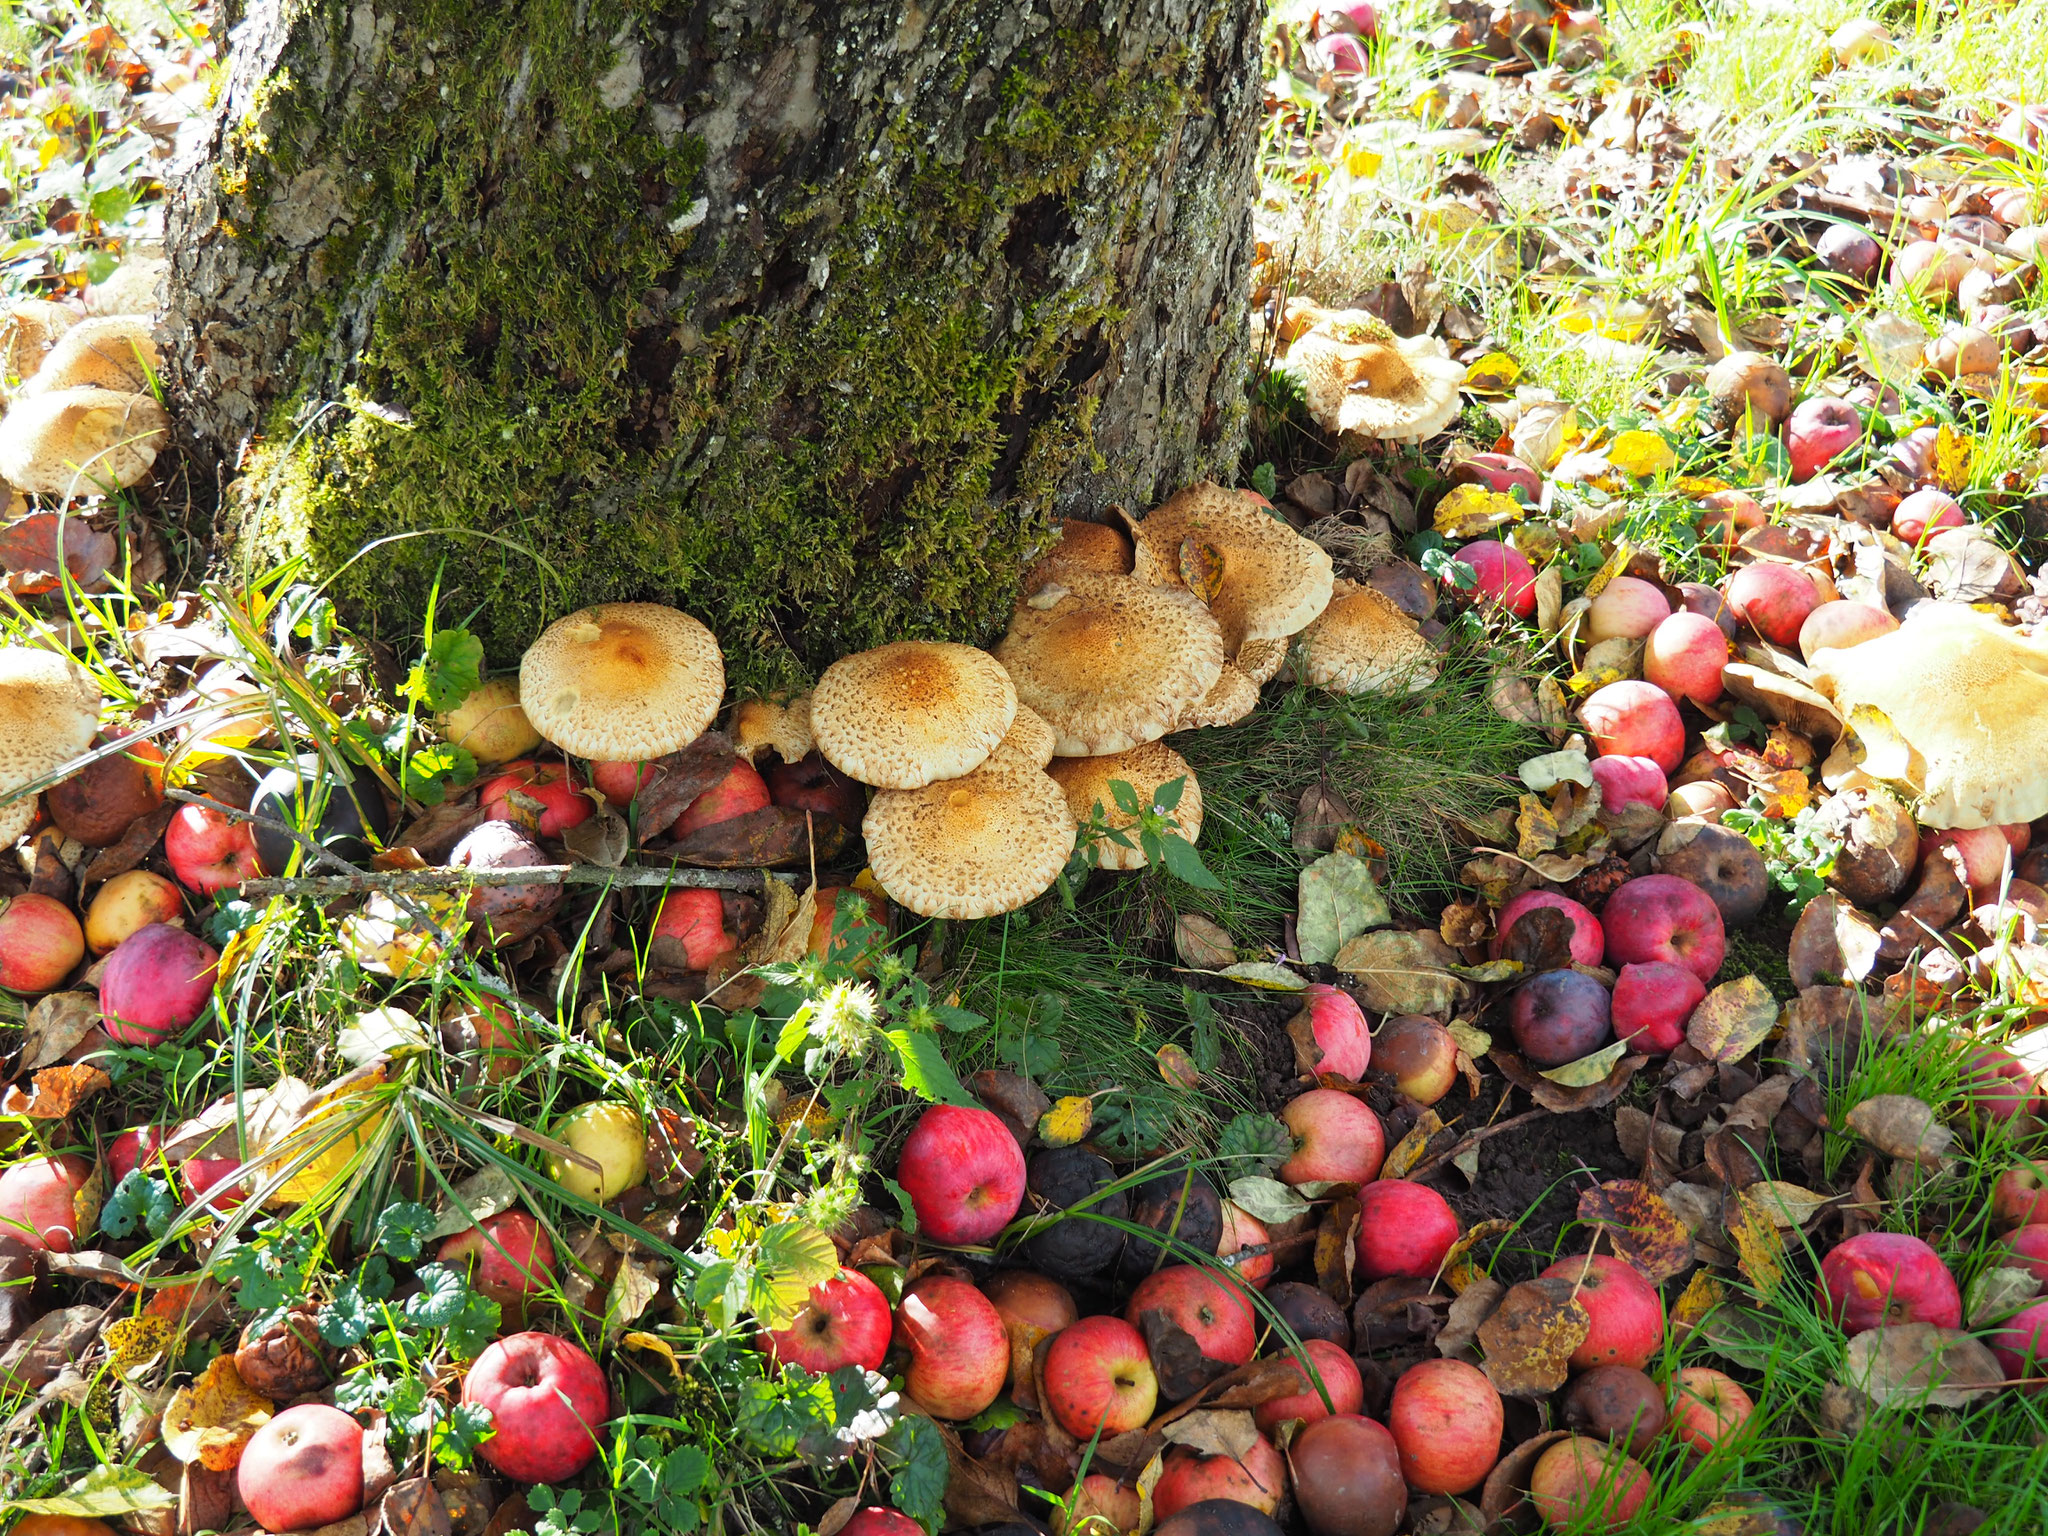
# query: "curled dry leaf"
(1997, 1293)
(414, 1507)
(1732, 1020)
(1201, 944)
(1560, 1100)
(55, 1025)
(1530, 1337)
(1177, 1360)
(1539, 940)
(1177, 1067)
(1337, 1248)
(1759, 1250)
(1791, 1206)
(1504, 1497)
(1409, 1150)
(1899, 1125)
(1644, 1231)
(1015, 1097)
(55, 1092)
(1473, 1306)
(212, 1420)
(1587, 1071)
(1214, 1431)
(1404, 973)
(1913, 1363)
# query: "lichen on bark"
(806, 318)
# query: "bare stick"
(402, 880)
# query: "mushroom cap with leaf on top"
(49, 710)
(984, 843)
(1359, 378)
(1364, 643)
(905, 715)
(1086, 782)
(70, 442)
(1968, 699)
(1272, 582)
(622, 682)
(1110, 661)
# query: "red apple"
(1684, 656)
(1501, 473)
(501, 1043)
(1635, 719)
(1626, 1311)
(959, 1349)
(1343, 54)
(1098, 1375)
(1848, 252)
(879, 1520)
(618, 782)
(964, 1174)
(1032, 1307)
(2021, 1345)
(40, 943)
(1347, 1478)
(1340, 1139)
(695, 919)
(1817, 431)
(206, 1179)
(845, 1322)
(1505, 575)
(39, 1202)
(134, 1148)
(2019, 1197)
(1588, 942)
(514, 1259)
(1773, 599)
(1839, 625)
(1986, 851)
(303, 1469)
(1708, 1409)
(1926, 512)
(1101, 1506)
(1446, 1418)
(739, 793)
(2000, 1085)
(851, 915)
(1340, 1381)
(1661, 917)
(1259, 1479)
(156, 983)
(546, 1398)
(1586, 1485)
(1216, 1314)
(210, 850)
(1651, 1003)
(1419, 1054)
(2028, 1248)
(812, 784)
(1403, 1229)
(133, 899)
(1340, 1031)
(1880, 1278)
(1725, 517)
(1241, 1231)
(555, 787)
(1628, 608)
(1559, 1016)
(1627, 781)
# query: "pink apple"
(1340, 1030)
(1880, 1278)
(1505, 576)
(2027, 1248)
(845, 1322)
(1243, 1231)
(1419, 1054)
(1360, 17)
(1708, 1408)
(156, 983)
(1635, 719)
(1501, 473)
(1446, 1418)
(1586, 1485)
(959, 1348)
(1661, 917)
(134, 1148)
(1773, 599)
(1839, 625)
(1217, 1315)
(739, 793)
(1627, 1312)
(1652, 1001)
(1098, 1375)
(39, 1202)
(618, 782)
(1588, 941)
(555, 787)
(210, 850)
(303, 1469)
(1102, 1506)
(2021, 1345)
(1684, 656)
(1628, 608)
(964, 1174)
(40, 943)
(1343, 54)
(207, 1179)
(546, 1398)
(1925, 512)
(1403, 1229)
(2000, 1085)
(1817, 431)
(1627, 781)
(1340, 1380)
(880, 1520)
(1986, 851)
(1340, 1139)
(696, 920)
(514, 1259)
(1258, 1478)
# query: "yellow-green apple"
(1419, 1054)
(40, 1204)
(554, 787)
(1773, 599)
(1748, 392)
(1337, 1139)
(489, 724)
(1257, 1478)
(1628, 608)
(1839, 625)
(1880, 1279)
(1340, 1030)
(696, 920)
(1404, 1229)
(547, 1399)
(1926, 512)
(1661, 917)
(1446, 1419)
(1587, 941)
(1337, 1375)
(1587, 1485)
(1503, 576)
(1626, 1311)
(959, 1348)
(1708, 1408)
(40, 943)
(303, 1469)
(1101, 1506)
(1819, 430)
(1032, 1307)
(1559, 1016)
(1651, 1003)
(155, 984)
(1244, 1238)
(514, 1259)
(1618, 1404)
(133, 899)
(210, 850)
(1098, 1376)
(611, 1135)
(1216, 1313)
(1635, 719)
(1347, 1478)
(1684, 656)
(964, 1173)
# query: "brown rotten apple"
(1347, 1478)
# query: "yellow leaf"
(1759, 1250)
(1201, 568)
(133, 1342)
(1701, 1295)
(1697, 486)
(1067, 1122)
(1177, 1067)
(1785, 795)
(47, 151)
(1470, 510)
(213, 1420)
(1472, 1040)
(1407, 1152)
(1641, 453)
(657, 1346)
(1493, 374)
(1953, 452)
(1361, 163)
(1610, 568)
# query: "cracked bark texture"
(807, 317)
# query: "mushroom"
(76, 440)
(1109, 661)
(1083, 549)
(130, 290)
(1029, 741)
(1233, 696)
(1968, 697)
(28, 329)
(1360, 378)
(1260, 660)
(1273, 581)
(1086, 780)
(107, 352)
(622, 682)
(762, 725)
(49, 709)
(905, 715)
(1363, 643)
(978, 845)
(489, 724)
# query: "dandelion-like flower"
(844, 1018)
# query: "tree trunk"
(807, 317)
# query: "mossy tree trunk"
(808, 317)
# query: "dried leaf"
(55, 1092)
(212, 1420)
(1268, 1199)
(1201, 944)
(1568, 765)
(1732, 1020)
(1504, 1496)
(1337, 1249)
(1403, 973)
(1473, 1306)
(29, 552)
(1409, 1150)
(1557, 1098)
(1644, 1231)
(1530, 1337)
(1067, 1122)
(1178, 1067)
(1702, 1294)
(672, 1155)
(1015, 1097)
(1909, 1364)
(1337, 900)
(1177, 1360)
(1949, 466)
(1641, 453)
(1264, 975)
(1759, 1251)
(104, 1493)
(414, 1507)
(765, 839)
(1900, 1125)
(1214, 1431)
(1539, 939)
(55, 1026)
(1588, 1071)
(1201, 568)
(1791, 1206)
(1997, 1293)
(1471, 510)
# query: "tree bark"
(807, 317)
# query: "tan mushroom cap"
(28, 329)
(622, 682)
(1233, 697)
(49, 709)
(1260, 660)
(70, 441)
(762, 725)
(1968, 696)
(1086, 780)
(1364, 643)
(904, 715)
(489, 724)
(113, 352)
(1274, 581)
(1109, 661)
(1029, 742)
(984, 843)
(131, 290)
(1083, 549)
(1360, 378)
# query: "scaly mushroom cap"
(1969, 698)
(1234, 696)
(49, 709)
(902, 716)
(1085, 781)
(71, 441)
(760, 725)
(1363, 643)
(131, 290)
(28, 329)
(622, 682)
(1084, 549)
(1260, 660)
(1109, 661)
(1030, 740)
(106, 352)
(1360, 378)
(984, 843)
(1274, 581)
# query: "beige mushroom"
(490, 725)
(72, 442)
(622, 682)
(49, 709)
(1084, 549)
(28, 329)
(1029, 742)
(978, 845)
(762, 725)
(905, 715)
(1363, 643)
(1966, 696)
(1361, 379)
(1086, 780)
(106, 352)
(1260, 660)
(131, 290)
(1273, 580)
(1109, 661)
(1233, 696)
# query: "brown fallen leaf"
(1540, 939)
(129, 849)
(1560, 1100)
(1899, 1125)
(1504, 1496)
(1013, 1096)
(765, 839)
(1409, 1150)
(672, 1155)
(55, 1025)
(1201, 944)
(1832, 941)
(1337, 1248)
(30, 552)
(1732, 1020)
(55, 1092)
(1530, 1337)
(1473, 1306)
(669, 784)
(1909, 1364)
(1214, 1431)
(1644, 1231)
(414, 1507)
(214, 1418)
(1177, 1360)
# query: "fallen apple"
(959, 1348)
(1347, 1478)
(156, 984)
(695, 919)
(546, 1398)
(547, 798)
(1098, 1378)
(1926, 512)
(514, 1259)
(1708, 1408)
(100, 801)
(1651, 1004)
(1217, 1315)
(1032, 1307)
(609, 1134)
(1684, 656)
(1819, 431)
(1504, 575)
(844, 1322)
(1446, 1418)
(1338, 1138)
(39, 1202)
(1627, 1314)
(1626, 781)
(1559, 1016)
(1628, 608)
(1338, 1388)
(1340, 1030)
(1244, 1246)
(1419, 1054)
(1587, 1485)
(1404, 1229)
(210, 850)
(1773, 599)
(40, 943)
(1588, 941)
(133, 899)
(1876, 1279)
(303, 1469)
(1839, 625)
(1258, 1478)
(1100, 1505)
(1635, 719)
(1618, 1404)
(1661, 917)
(963, 1172)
